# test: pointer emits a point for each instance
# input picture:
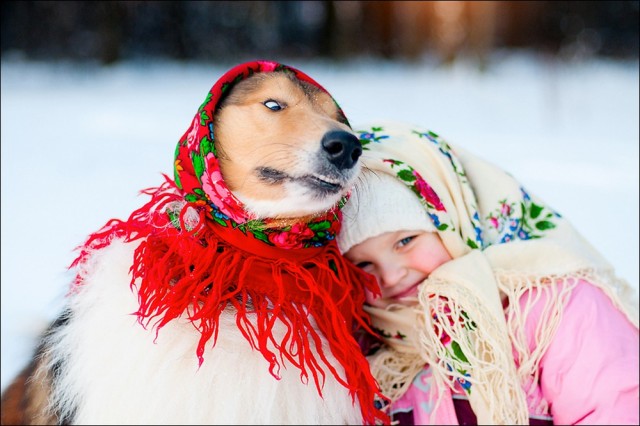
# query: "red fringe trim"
(200, 273)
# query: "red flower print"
(291, 239)
(213, 185)
(188, 181)
(494, 222)
(427, 192)
(192, 134)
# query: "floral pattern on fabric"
(445, 149)
(524, 220)
(367, 137)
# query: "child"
(493, 309)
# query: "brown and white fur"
(284, 154)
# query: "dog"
(185, 314)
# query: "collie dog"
(224, 299)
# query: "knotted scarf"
(200, 253)
(505, 244)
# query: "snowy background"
(79, 141)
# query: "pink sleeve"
(589, 374)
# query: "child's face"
(400, 261)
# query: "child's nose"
(392, 274)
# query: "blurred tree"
(378, 30)
(111, 16)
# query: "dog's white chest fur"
(117, 374)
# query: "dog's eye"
(273, 105)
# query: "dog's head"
(284, 147)
(267, 143)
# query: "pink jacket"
(589, 374)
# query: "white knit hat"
(380, 203)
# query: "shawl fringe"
(189, 267)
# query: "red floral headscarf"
(197, 171)
(200, 253)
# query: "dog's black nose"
(343, 149)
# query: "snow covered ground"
(78, 142)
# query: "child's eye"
(403, 242)
(273, 105)
(363, 264)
